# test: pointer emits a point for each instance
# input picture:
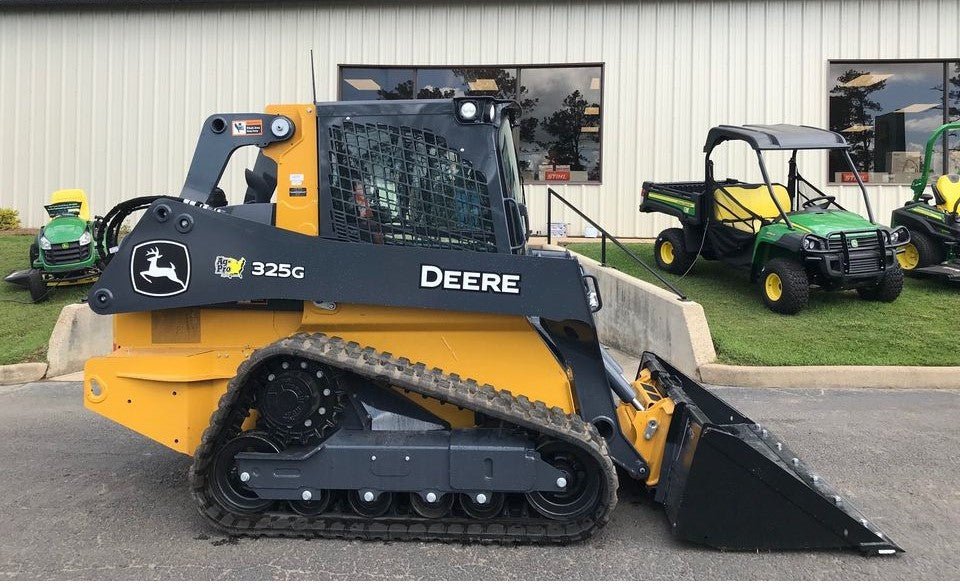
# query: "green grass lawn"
(837, 328)
(24, 327)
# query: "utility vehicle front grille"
(71, 254)
(398, 185)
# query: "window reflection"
(558, 132)
(458, 82)
(886, 111)
(361, 83)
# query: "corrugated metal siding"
(111, 100)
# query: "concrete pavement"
(83, 498)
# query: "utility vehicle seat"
(755, 198)
(947, 192)
(73, 196)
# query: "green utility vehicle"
(933, 220)
(789, 237)
(64, 252)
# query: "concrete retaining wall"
(638, 316)
(78, 335)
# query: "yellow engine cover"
(169, 368)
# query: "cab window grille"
(397, 185)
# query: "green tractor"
(64, 252)
(789, 237)
(933, 220)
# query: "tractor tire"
(670, 252)
(921, 252)
(34, 253)
(784, 286)
(38, 288)
(888, 289)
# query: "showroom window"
(558, 132)
(887, 111)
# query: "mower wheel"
(784, 286)
(888, 289)
(919, 253)
(671, 253)
(34, 253)
(36, 285)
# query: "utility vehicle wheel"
(34, 253)
(671, 253)
(888, 289)
(784, 286)
(919, 253)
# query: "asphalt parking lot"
(83, 498)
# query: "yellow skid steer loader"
(367, 347)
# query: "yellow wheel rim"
(909, 258)
(666, 252)
(773, 286)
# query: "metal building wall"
(110, 99)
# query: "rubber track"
(416, 377)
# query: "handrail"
(604, 237)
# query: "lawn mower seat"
(73, 196)
(947, 192)
(738, 206)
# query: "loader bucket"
(729, 483)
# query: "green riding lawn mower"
(933, 220)
(789, 237)
(64, 252)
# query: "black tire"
(34, 253)
(929, 253)
(670, 252)
(889, 287)
(38, 288)
(789, 278)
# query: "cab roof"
(776, 137)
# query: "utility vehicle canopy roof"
(776, 137)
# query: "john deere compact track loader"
(368, 348)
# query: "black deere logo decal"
(160, 268)
(436, 277)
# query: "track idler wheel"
(424, 507)
(370, 504)
(489, 506)
(581, 490)
(226, 484)
(318, 503)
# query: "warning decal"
(247, 127)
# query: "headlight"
(468, 111)
(899, 235)
(44, 243)
(814, 243)
(85, 239)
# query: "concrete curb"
(78, 335)
(22, 373)
(638, 316)
(831, 376)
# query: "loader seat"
(73, 196)
(738, 206)
(946, 190)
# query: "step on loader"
(367, 347)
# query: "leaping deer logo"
(157, 271)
